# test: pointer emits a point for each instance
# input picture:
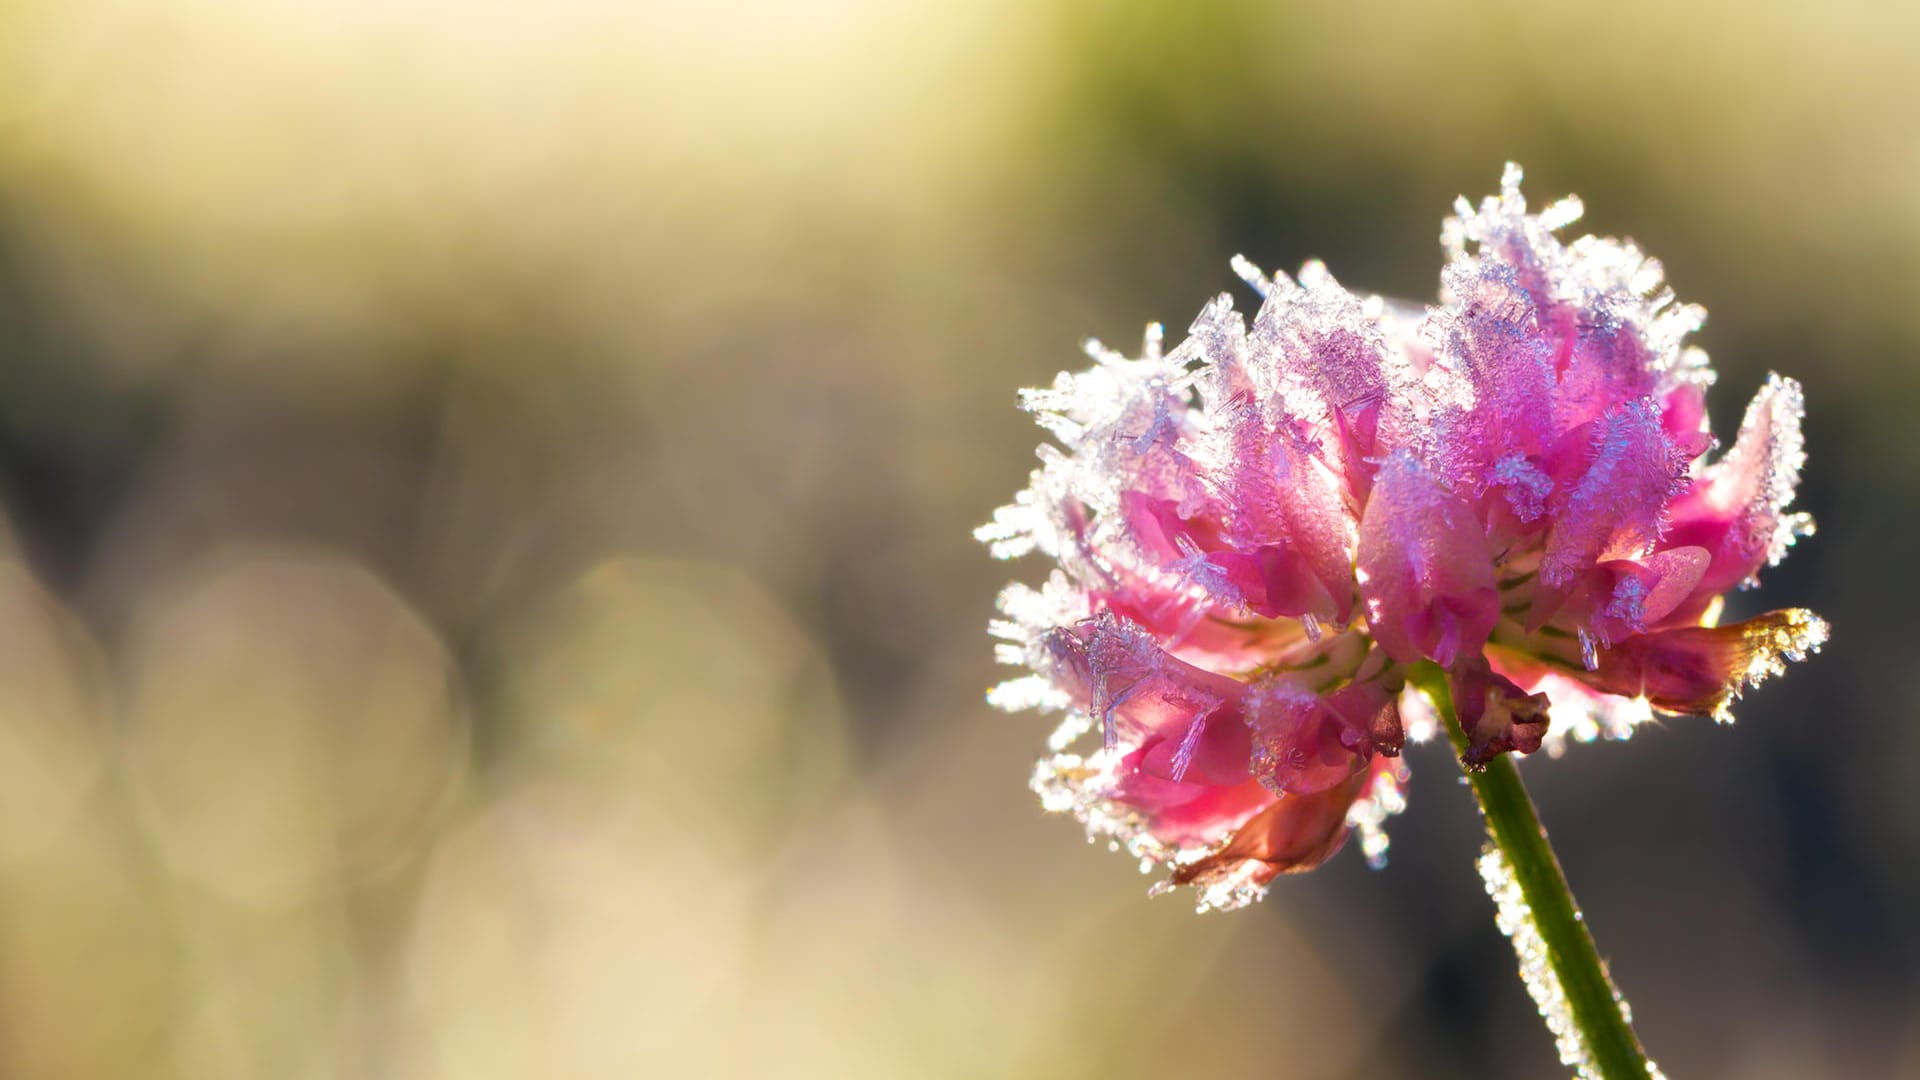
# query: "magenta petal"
(1638, 594)
(1135, 689)
(1300, 744)
(1278, 580)
(1669, 578)
(1154, 523)
(1285, 499)
(1423, 566)
(1618, 505)
(1491, 334)
(1357, 424)
(1684, 418)
(1738, 511)
(1214, 749)
(1185, 814)
(1619, 597)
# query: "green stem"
(1612, 1051)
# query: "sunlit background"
(487, 588)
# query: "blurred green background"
(488, 589)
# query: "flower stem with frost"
(1607, 1046)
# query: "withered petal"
(1701, 670)
(1296, 833)
(1494, 712)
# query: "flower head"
(1260, 531)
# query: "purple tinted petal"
(1617, 507)
(1425, 572)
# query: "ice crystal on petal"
(1746, 492)
(1423, 564)
(1370, 812)
(1618, 505)
(1525, 486)
(1014, 530)
(1083, 786)
(1029, 615)
(1295, 746)
(1258, 528)
(1581, 714)
(1418, 717)
(1235, 889)
(1208, 580)
(1589, 648)
(1319, 337)
(1602, 301)
(1189, 742)
(1702, 670)
(1077, 723)
(1628, 602)
(1255, 278)
(1035, 692)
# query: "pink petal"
(1490, 334)
(1617, 507)
(1321, 336)
(1423, 565)
(1185, 814)
(1135, 689)
(1684, 418)
(1282, 497)
(1300, 744)
(1738, 511)
(1619, 597)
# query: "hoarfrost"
(1516, 921)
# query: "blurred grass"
(491, 592)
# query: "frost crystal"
(1369, 815)
(1515, 919)
(1258, 530)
